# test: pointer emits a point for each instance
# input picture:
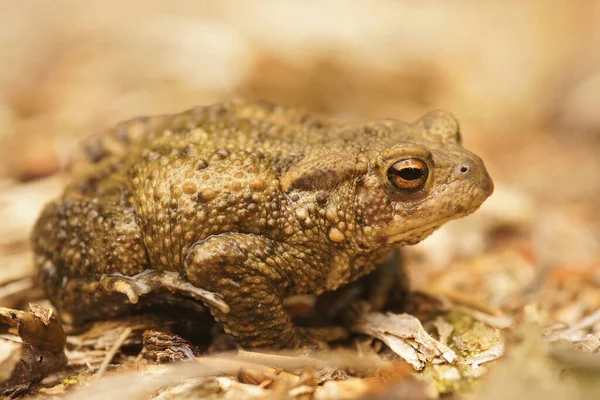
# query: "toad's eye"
(409, 175)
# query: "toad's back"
(148, 189)
(215, 170)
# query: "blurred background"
(522, 77)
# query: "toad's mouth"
(425, 229)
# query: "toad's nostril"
(464, 169)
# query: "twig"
(495, 321)
(585, 323)
(111, 353)
(468, 300)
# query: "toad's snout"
(486, 183)
(475, 171)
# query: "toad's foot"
(138, 285)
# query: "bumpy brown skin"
(249, 202)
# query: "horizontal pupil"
(411, 174)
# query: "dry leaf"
(405, 335)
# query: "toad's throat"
(424, 230)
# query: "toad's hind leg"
(245, 271)
(76, 241)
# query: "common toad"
(239, 205)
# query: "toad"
(236, 206)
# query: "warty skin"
(238, 205)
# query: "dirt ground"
(507, 301)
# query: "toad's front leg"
(245, 270)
